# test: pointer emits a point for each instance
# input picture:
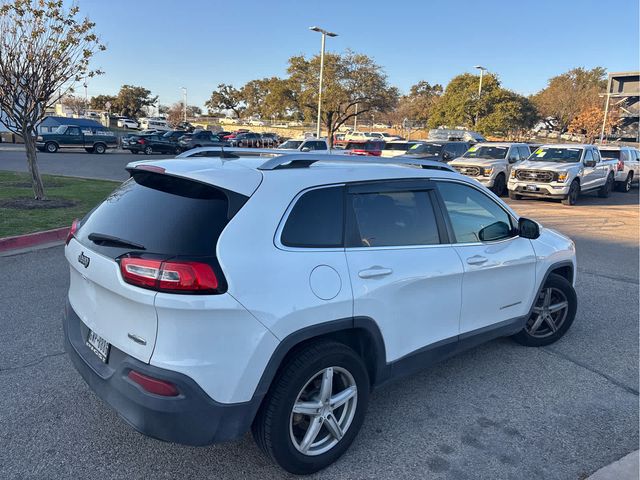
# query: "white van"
(154, 124)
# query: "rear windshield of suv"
(554, 154)
(487, 152)
(610, 154)
(165, 215)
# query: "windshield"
(292, 144)
(426, 148)
(553, 154)
(610, 154)
(491, 152)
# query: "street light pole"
(324, 34)
(482, 70)
(184, 104)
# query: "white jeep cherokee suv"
(562, 172)
(490, 163)
(211, 296)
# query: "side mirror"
(305, 149)
(495, 231)
(446, 156)
(589, 163)
(528, 228)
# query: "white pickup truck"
(562, 172)
(491, 163)
(628, 164)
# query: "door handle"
(477, 260)
(373, 272)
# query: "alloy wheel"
(323, 411)
(549, 313)
(627, 183)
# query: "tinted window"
(167, 215)
(610, 154)
(596, 155)
(588, 155)
(393, 219)
(73, 131)
(316, 219)
(471, 211)
(524, 153)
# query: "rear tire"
(605, 190)
(549, 319)
(572, 196)
(625, 186)
(288, 436)
(514, 196)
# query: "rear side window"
(316, 220)
(166, 215)
(388, 219)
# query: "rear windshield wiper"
(109, 240)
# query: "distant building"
(50, 124)
(623, 95)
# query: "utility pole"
(482, 70)
(184, 104)
(324, 34)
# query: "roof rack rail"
(285, 159)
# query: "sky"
(164, 45)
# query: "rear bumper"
(191, 418)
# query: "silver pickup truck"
(562, 172)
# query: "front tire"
(605, 190)
(315, 407)
(499, 185)
(552, 314)
(51, 147)
(572, 196)
(99, 148)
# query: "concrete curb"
(624, 469)
(22, 242)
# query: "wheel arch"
(564, 268)
(360, 333)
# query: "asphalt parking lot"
(501, 411)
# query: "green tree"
(460, 102)
(44, 49)
(510, 115)
(131, 101)
(269, 97)
(570, 93)
(226, 97)
(350, 79)
(99, 102)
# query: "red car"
(371, 148)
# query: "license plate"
(532, 188)
(98, 345)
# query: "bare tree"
(44, 49)
(77, 105)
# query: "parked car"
(372, 148)
(627, 167)
(305, 144)
(155, 124)
(93, 140)
(270, 139)
(202, 138)
(149, 144)
(490, 163)
(276, 302)
(562, 172)
(256, 123)
(443, 151)
(395, 148)
(174, 136)
(128, 123)
(357, 136)
(387, 137)
(247, 140)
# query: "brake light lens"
(181, 277)
(154, 385)
(620, 166)
(141, 141)
(72, 231)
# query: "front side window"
(316, 220)
(388, 219)
(73, 131)
(474, 216)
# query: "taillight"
(72, 231)
(141, 141)
(620, 166)
(154, 385)
(169, 276)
